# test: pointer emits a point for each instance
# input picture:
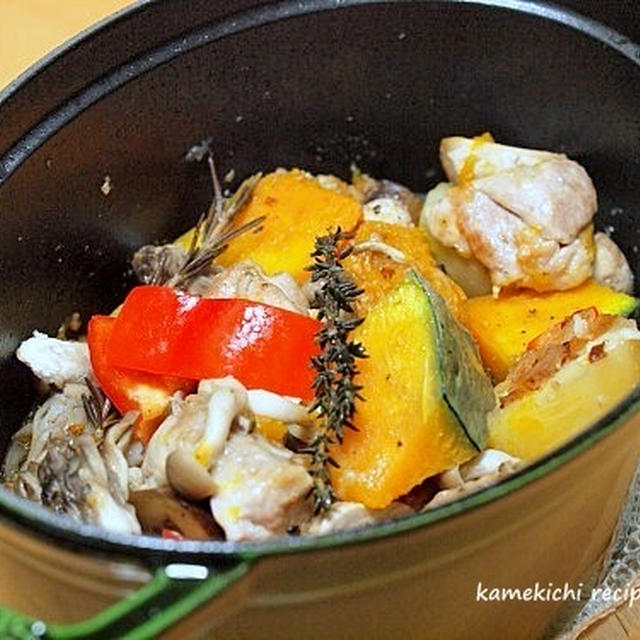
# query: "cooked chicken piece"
(556, 198)
(611, 267)
(261, 489)
(246, 279)
(549, 267)
(523, 214)
(485, 158)
(55, 361)
(468, 272)
(349, 515)
(441, 216)
(513, 252)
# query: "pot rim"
(540, 8)
(59, 528)
(63, 530)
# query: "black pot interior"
(374, 84)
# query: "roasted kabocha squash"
(298, 208)
(504, 326)
(378, 272)
(427, 396)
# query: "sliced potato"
(580, 393)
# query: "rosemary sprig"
(212, 235)
(98, 408)
(335, 388)
(169, 264)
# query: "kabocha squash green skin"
(426, 398)
(466, 387)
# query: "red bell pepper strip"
(162, 331)
(170, 534)
(131, 390)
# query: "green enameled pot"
(317, 84)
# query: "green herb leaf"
(335, 388)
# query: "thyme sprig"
(212, 235)
(334, 384)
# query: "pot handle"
(174, 592)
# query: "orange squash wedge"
(426, 398)
(504, 326)
(378, 274)
(297, 209)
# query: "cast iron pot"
(316, 84)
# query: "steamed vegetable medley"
(316, 355)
